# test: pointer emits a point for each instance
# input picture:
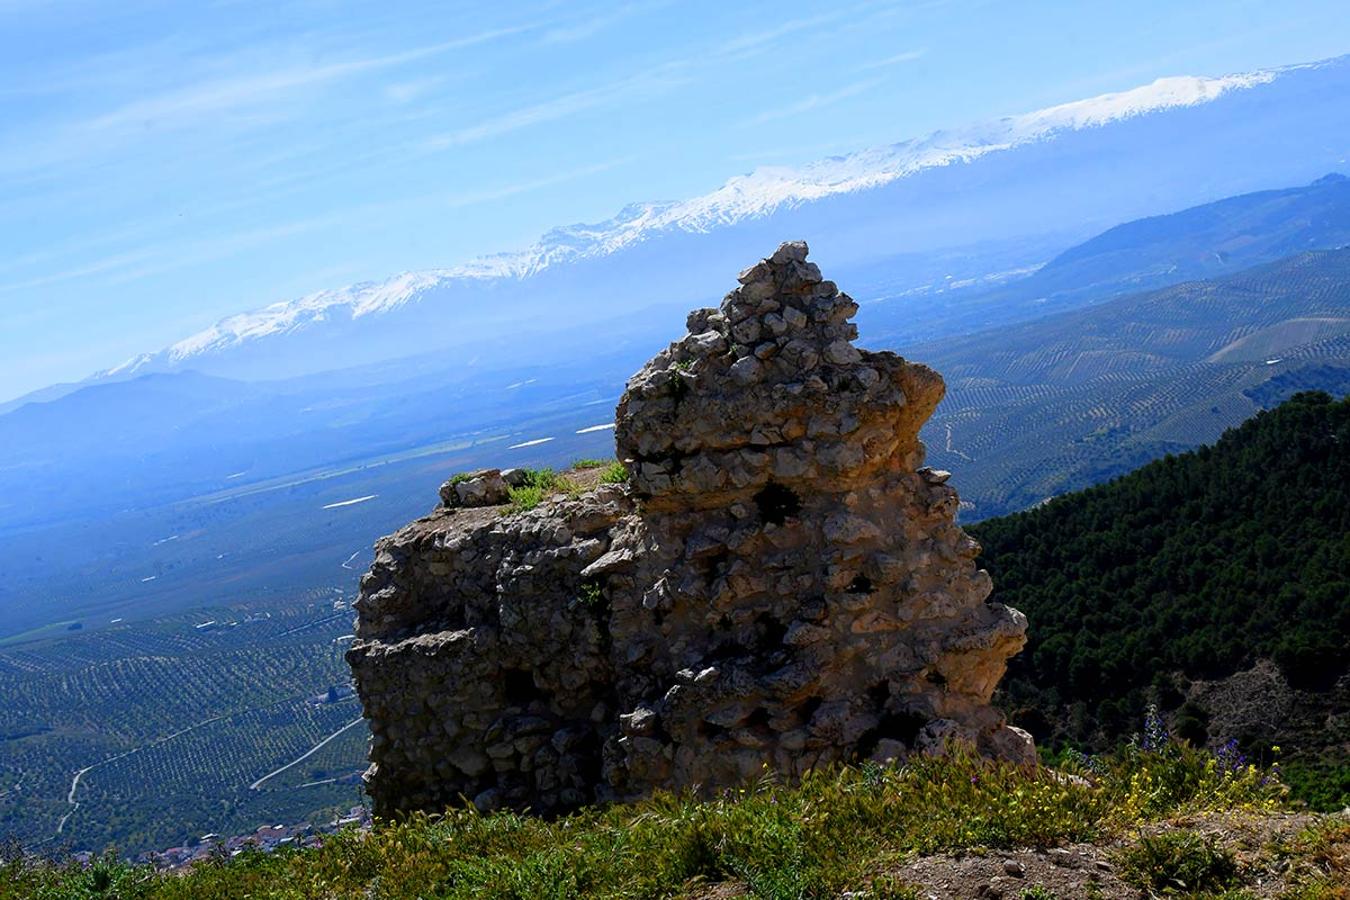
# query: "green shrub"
(590, 595)
(525, 497)
(1179, 862)
(615, 473)
(583, 464)
(539, 483)
(1037, 892)
(1324, 784)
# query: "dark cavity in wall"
(777, 504)
(518, 686)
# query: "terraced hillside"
(147, 734)
(1070, 400)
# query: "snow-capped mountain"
(1152, 149)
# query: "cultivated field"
(146, 734)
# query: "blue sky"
(163, 165)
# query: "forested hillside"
(1194, 567)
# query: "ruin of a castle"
(780, 583)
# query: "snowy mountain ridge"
(757, 194)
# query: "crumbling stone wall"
(781, 582)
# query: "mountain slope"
(1201, 565)
(1207, 240)
(1204, 241)
(1066, 401)
(1068, 168)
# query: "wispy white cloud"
(489, 195)
(898, 59)
(655, 79)
(119, 268)
(560, 107)
(753, 41)
(97, 267)
(581, 29)
(213, 249)
(210, 97)
(814, 102)
(408, 91)
(244, 100)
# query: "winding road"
(75, 782)
(307, 754)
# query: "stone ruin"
(780, 583)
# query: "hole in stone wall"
(711, 731)
(758, 719)
(723, 651)
(879, 693)
(518, 686)
(860, 585)
(936, 677)
(777, 504)
(770, 634)
(902, 726)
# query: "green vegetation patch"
(615, 473)
(1323, 783)
(1037, 892)
(1179, 862)
(539, 484)
(1201, 564)
(835, 831)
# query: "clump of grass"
(1037, 892)
(460, 477)
(888, 887)
(615, 473)
(1181, 863)
(525, 497)
(590, 595)
(538, 485)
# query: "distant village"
(266, 839)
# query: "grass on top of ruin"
(837, 830)
(612, 471)
(539, 484)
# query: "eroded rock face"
(780, 583)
